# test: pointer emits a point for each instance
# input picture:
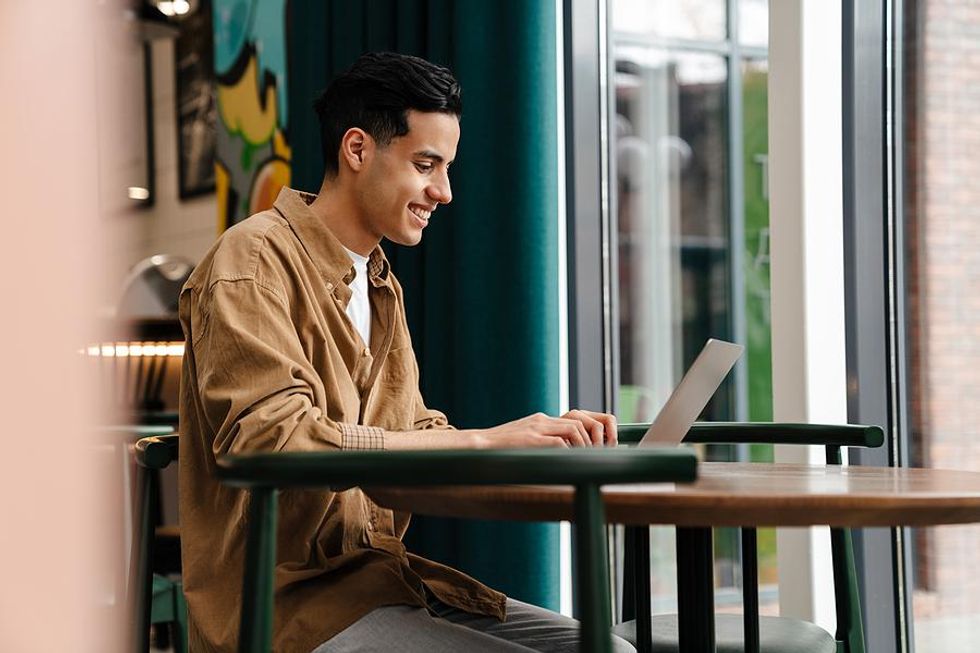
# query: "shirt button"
(329, 286)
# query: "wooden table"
(726, 494)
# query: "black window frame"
(875, 290)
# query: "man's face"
(405, 181)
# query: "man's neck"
(339, 213)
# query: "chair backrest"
(156, 452)
(830, 436)
(152, 454)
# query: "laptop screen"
(692, 394)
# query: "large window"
(678, 204)
(688, 153)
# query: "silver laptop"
(692, 394)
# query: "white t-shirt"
(359, 308)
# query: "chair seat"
(776, 635)
(162, 607)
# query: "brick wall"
(942, 105)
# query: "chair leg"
(141, 575)
(592, 589)
(627, 608)
(255, 629)
(850, 629)
(750, 589)
(644, 627)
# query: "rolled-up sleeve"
(361, 438)
(258, 390)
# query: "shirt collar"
(327, 252)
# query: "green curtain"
(482, 289)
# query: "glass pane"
(671, 148)
(753, 22)
(671, 156)
(703, 20)
(943, 272)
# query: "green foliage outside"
(755, 268)
(755, 134)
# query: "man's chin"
(406, 240)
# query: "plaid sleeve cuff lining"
(361, 438)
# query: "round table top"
(729, 494)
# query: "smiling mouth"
(420, 213)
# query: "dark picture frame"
(150, 163)
(140, 169)
(197, 106)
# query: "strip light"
(134, 349)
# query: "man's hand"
(601, 426)
(576, 428)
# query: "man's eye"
(424, 167)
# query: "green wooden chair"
(750, 632)
(586, 469)
(154, 599)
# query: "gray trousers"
(445, 629)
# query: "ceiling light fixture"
(171, 8)
(138, 193)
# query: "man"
(297, 341)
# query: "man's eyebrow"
(429, 154)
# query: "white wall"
(185, 227)
(171, 226)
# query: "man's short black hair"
(376, 93)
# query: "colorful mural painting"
(253, 155)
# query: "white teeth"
(421, 213)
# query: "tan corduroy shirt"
(272, 363)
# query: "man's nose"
(441, 191)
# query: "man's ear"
(355, 148)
